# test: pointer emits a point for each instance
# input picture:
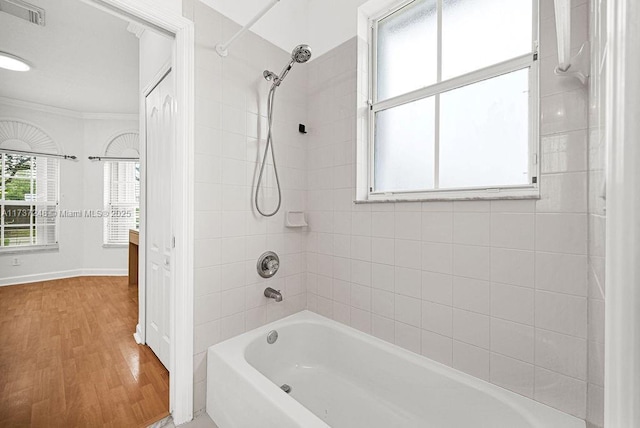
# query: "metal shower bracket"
(579, 65)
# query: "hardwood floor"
(68, 357)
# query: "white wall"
(340, 16)
(97, 134)
(156, 51)
(80, 239)
(497, 289)
(230, 236)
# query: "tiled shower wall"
(230, 236)
(496, 289)
(597, 215)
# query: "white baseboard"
(26, 279)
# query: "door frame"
(182, 292)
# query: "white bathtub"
(343, 378)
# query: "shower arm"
(223, 48)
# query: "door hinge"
(173, 242)
(534, 180)
(535, 56)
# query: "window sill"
(123, 245)
(456, 195)
(29, 249)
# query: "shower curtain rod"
(25, 152)
(223, 48)
(100, 158)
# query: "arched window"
(28, 187)
(121, 188)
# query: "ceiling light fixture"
(13, 63)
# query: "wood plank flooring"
(68, 357)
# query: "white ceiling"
(323, 24)
(84, 59)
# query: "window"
(122, 200)
(29, 201)
(454, 100)
(121, 188)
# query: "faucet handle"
(272, 266)
(268, 264)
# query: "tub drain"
(286, 388)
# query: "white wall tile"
(472, 328)
(563, 193)
(512, 303)
(436, 347)
(408, 225)
(437, 227)
(472, 295)
(383, 277)
(408, 337)
(472, 262)
(512, 267)
(561, 313)
(383, 303)
(408, 282)
(561, 233)
(562, 392)
(471, 359)
(437, 318)
(383, 250)
(471, 228)
(512, 374)
(408, 253)
(408, 310)
(384, 328)
(512, 339)
(437, 257)
(562, 273)
(561, 353)
(437, 287)
(512, 230)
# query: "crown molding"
(11, 102)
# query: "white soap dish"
(295, 219)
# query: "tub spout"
(273, 294)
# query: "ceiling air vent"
(23, 10)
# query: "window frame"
(28, 205)
(109, 204)
(529, 60)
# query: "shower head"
(301, 54)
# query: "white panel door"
(160, 134)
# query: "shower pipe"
(223, 48)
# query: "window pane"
(18, 190)
(17, 214)
(479, 33)
(407, 49)
(404, 147)
(484, 133)
(16, 236)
